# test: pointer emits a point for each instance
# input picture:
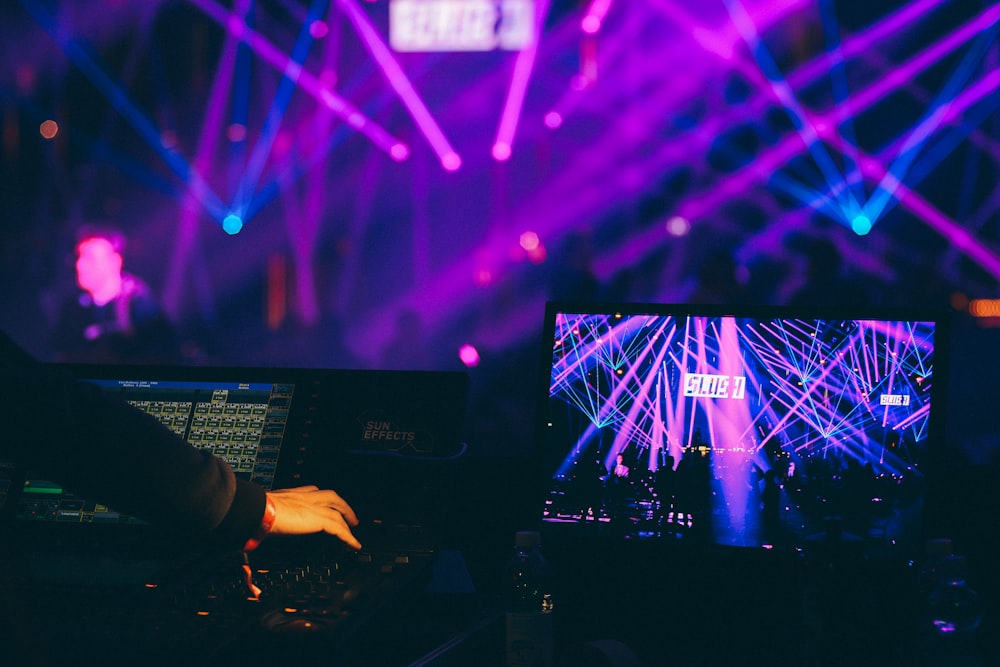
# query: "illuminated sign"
(894, 399)
(705, 385)
(461, 25)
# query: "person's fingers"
(308, 509)
(334, 500)
(323, 497)
(337, 527)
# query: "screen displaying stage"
(748, 428)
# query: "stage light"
(861, 224)
(553, 119)
(232, 224)
(451, 161)
(591, 23)
(48, 129)
(501, 152)
(399, 151)
(678, 226)
(529, 241)
(469, 355)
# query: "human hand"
(309, 509)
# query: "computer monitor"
(244, 416)
(736, 426)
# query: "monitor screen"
(737, 427)
(243, 422)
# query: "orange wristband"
(266, 524)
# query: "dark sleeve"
(102, 448)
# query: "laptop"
(758, 476)
(737, 426)
(377, 437)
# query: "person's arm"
(103, 448)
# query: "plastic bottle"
(954, 615)
(529, 605)
(954, 605)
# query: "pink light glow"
(98, 269)
(318, 29)
(711, 42)
(523, 66)
(469, 355)
(678, 226)
(399, 151)
(328, 77)
(785, 150)
(400, 83)
(871, 168)
(501, 152)
(482, 277)
(529, 241)
(305, 80)
(591, 23)
(553, 119)
(235, 25)
(451, 161)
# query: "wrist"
(265, 527)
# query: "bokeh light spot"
(399, 152)
(48, 129)
(501, 151)
(538, 254)
(482, 277)
(318, 29)
(451, 161)
(590, 24)
(861, 225)
(678, 226)
(232, 224)
(469, 355)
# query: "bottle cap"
(527, 539)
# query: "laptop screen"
(737, 427)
